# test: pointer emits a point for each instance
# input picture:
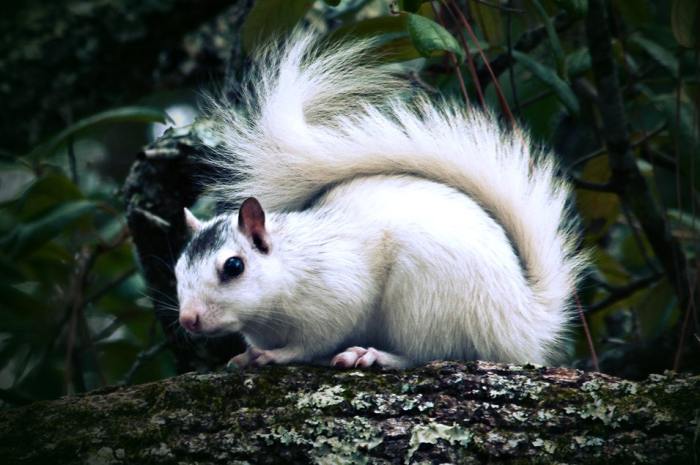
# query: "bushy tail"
(317, 116)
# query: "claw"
(359, 357)
(245, 359)
(263, 358)
(368, 359)
(348, 358)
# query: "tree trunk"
(445, 412)
(161, 183)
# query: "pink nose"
(189, 319)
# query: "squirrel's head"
(223, 275)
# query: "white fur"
(407, 243)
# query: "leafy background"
(77, 314)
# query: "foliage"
(75, 310)
(74, 306)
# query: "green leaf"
(685, 21)
(19, 300)
(269, 18)
(27, 237)
(657, 310)
(42, 195)
(397, 50)
(410, 5)
(117, 115)
(430, 38)
(578, 62)
(549, 77)
(629, 252)
(332, 2)
(489, 20)
(684, 219)
(608, 268)
(635, 12)
(685, 138)
(372, 27)
(13, 181)
(553, 39)
(664, 57)
(577, 8)
(599, 210)
(9, 271)
(22, 312)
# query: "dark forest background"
(88, 87)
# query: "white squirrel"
(396, 231)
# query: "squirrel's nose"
(189, 319)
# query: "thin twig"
(508, 9)
(453, 58)
(528, 41)
(142, 358)
(71, 160)
(470, 62)
(616, 294)
(603, 150)
(97, 295)
(650, 135)
(592, 186)
(499, 92)
(536, 98)
(692, 283)
(84, 262)
(511, 65)
(109, 329)
(681, 340)
(679, 206)
(587, 332)
(636, 233)
(595, 154)
(657, 158)
(153, 218)
(76, 297)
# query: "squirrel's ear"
(251, 222)
(193, 224)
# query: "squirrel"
(376, 228)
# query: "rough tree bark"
(445, 412)
(162, 181)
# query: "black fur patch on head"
(207, 241)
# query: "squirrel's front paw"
(264, 357)
(259, 358)
(246, 359)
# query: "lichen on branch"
(443, 412)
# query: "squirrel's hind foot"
(360, 357)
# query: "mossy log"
(445, 412)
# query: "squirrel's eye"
(232, 267)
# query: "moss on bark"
(444, 412)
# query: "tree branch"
(615, 294)
(445, 412)
(592, 186)
(162, 182)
